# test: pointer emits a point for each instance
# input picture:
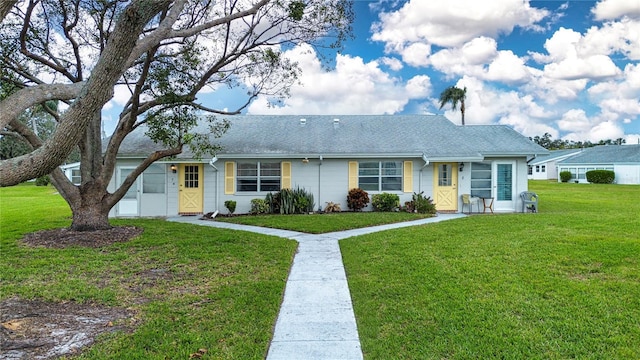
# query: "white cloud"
(479, 50)
(614, 9)
(353, 87)
(458, 22)
(393, 63)
(574, 68)
(508, 68)
(580, 127)
(466, 60)
(418, 87)
(417, 54)
(575, 120)
(487, 105)
(613, 37)
(632, 139)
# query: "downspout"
(426, 163)
(217, 194)
(319, 183)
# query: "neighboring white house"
(72, 171)
(624, 160)
(328, 156)
(545, 167)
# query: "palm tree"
(454, 95)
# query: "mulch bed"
(62, 238)
(33, 329)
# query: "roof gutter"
(213, 161)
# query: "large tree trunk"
(90, 212)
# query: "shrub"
(230, 205)
(259, 206)
(385, 201)
(357, 199)
(43, 180)
(601, 176)
(273, 201)
(287, 201)
(332, 207)
(422, 204)
(565, 176)
(303, 201)
(409, 206)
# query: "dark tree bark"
(155, 49)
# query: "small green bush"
(385, 202)
(601, 176)
(303, 202)
(273, 200)
(357, 199)
(565, 176)
(43, 180)
(259, 206)
(422, 204)
(288, 201)
(230, 205)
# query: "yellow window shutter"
(229, 178)
(408, 177)
(353, 174)
(285, 175)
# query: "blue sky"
(569, 68)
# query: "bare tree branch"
(16, 103)
(94, 94)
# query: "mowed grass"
(190, 287)
(560, 284)
(324, 223)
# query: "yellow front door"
(190, 189)
(445, 188)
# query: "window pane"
(481, 179)
(505, 173)
(444, 175)
(270, 169)
(191, 176)
(247, 184)
(268, 184)
(153, 179)
(369, 183)
(392, 168)
(391, 183)
(247, 169)
(369, 168)
(76, 178)
(132, 193)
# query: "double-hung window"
(258, 176)
(153, 179)
(380, 175)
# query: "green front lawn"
(191, 287)
(563, 283)
(324, 223)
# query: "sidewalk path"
(316, 319)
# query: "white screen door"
(504, 185)
(128, 205)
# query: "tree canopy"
(454, 95)
(162, 54)
(547, 142)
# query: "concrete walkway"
(316, 319)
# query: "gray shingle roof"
(606, 154)
(554, 155)
(375, 135)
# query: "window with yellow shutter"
(380, 175)
(258, 176)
